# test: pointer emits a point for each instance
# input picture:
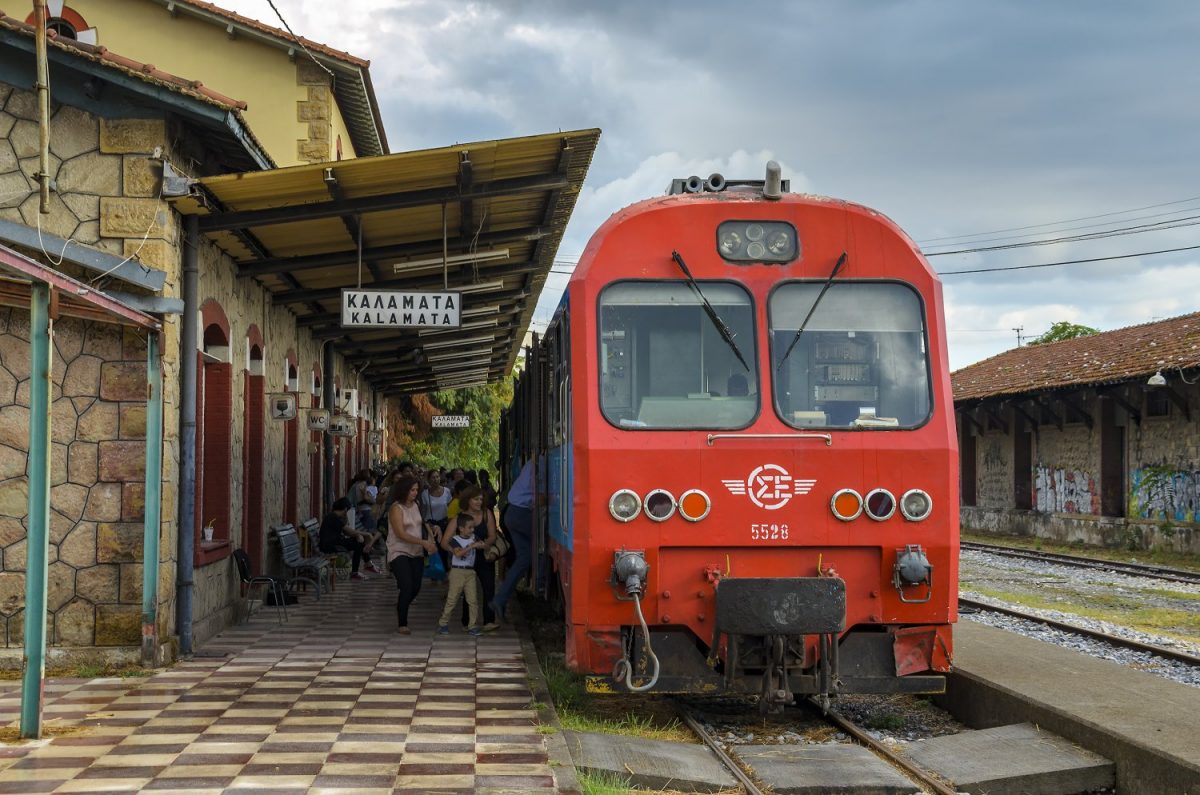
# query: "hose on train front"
(624, 669)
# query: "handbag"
(498, 549)
(434, 569)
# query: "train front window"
(861, 362)
(663, 364)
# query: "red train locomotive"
(743, 428)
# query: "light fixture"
(453, 259)
(477, 340)
(482, 287)
(1157, 380)
(475, 324)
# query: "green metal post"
(33, 674)
(151, 530)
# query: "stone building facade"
(108, 173)
(1079, 440)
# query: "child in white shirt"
(463, 580)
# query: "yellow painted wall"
(256, 73)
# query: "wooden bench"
(310, 534)
(312, 569)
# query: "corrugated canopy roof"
(498, 209)
(1110, 357)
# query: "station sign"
(451, 421)
(400, 309)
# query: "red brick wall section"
(291, 473)
(252, 464)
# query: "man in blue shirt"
(518, 520)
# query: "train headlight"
(757, 241)
(624, 505)
(660, 505)
(880, 504)
(916, 505)
(694, 505)
(846, 505)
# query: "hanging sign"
(283, 406)
(318, 419)
(341, 425)
(451, 421)
(375, 437)
(398, 308)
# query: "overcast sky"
(952, 117)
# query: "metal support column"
(152, 528)
(188, 348)
(33, 674)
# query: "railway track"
(1136, 569)
(921, 778)
(1115, 640)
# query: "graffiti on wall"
(1065, 491)
(1164, 493)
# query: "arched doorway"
(214, 436)
(253, 447)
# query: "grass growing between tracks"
(647, 716)
(1152, 557)
(1125, 610)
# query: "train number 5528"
(768, 532)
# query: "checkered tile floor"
(334, 700)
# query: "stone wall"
(97, 493)
(316, 111)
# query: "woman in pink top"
(407, 545)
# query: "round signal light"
(847, 505)
(624, 505)
(916, 505)
(694, 505)
(660, 505)
(880, 504)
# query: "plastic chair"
(251, 580)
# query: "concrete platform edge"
(1141, 769)
(561, 762)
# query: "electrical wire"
(1119, 232)
(299, 41)
(624, 669)
(1056, 223)
(1068, 262)
(1084, 226)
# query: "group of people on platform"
(442, 525)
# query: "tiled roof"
(1109, 357)
(277, 32)
(147, 72)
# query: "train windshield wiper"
(719, 324)
(841, 261)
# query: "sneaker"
(371, 567)
(403, 631)
(475, 632)
(443, 630)
(491, 627)
(358, 576)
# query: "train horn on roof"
(715, 183)
(693, 184)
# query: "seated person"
(336, 537)
(737, 386)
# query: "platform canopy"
(483, 220)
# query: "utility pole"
(1019, 329)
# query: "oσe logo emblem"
(770, 486)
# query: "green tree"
(1064, 330)
(475, 447)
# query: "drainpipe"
(329, 401)
(187, 427)
(152, 527)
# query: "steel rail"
(726, 760)
(922, 776)
(1138, 569)
(1115, 640)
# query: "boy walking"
(463, 580)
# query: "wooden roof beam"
(290, 214)
(263, 266)
(1114, 394)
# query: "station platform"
(334, 700)
(1145, 724)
